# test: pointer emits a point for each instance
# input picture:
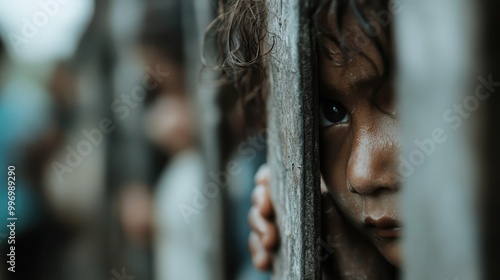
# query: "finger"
(266, 230)
(262, 200)
(261, 258)
(271, 238)
(262, 175)
(258, 223)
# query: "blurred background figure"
(104, 133)
(37, 96)
(181, 248)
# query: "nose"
(372, 165)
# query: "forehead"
(360, 60)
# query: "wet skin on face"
(359, 140)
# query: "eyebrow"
(331, 89)
(368, 81)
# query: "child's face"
(170, 122)
(359, 142)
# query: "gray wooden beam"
(437, 47)
(293, 140)
(490, 152)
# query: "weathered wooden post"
(490, 152)
(293, 139)
(439, 118)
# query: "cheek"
(335, 147)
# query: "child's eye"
(333, 112)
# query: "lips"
(385, 229)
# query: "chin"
(392, 252)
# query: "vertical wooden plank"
(197, 16)
(437, 59)
(293, 145)
(491, 137)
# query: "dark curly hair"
(241, 35)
